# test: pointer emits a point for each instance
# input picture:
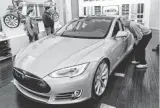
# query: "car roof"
(107, 17)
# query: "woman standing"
(31, 26)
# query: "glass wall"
(137, 12)
(134, 11)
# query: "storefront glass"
(133, 10)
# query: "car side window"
(71, 25)
(116, 29)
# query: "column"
(68, 10)
(75, 8)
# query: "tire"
(95, 94)
(11, 20)
(56, 17)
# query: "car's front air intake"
(31, 81)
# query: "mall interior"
(127, 86)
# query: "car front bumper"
(63, 89)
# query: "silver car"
(73, 64)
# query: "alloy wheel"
(11, 21)
(101, 79)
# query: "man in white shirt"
(142, 36)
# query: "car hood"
(48, 54)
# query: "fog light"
(77, 94)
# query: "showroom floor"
(128, 87)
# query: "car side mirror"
(121, 34)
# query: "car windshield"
(86, 28)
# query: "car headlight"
(69, 71)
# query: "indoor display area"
(79, 53)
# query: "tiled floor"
(130, 88)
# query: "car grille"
(30, 81)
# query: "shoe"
(141, 66)
(134, 62)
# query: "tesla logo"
(23, 76)
(20, 75)
(42, 84)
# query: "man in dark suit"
(47, 19)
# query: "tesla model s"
(73, 64)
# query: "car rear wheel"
(100, 80)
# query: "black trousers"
(140, 48)
(33, 38)
(50, 30)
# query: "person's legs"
(30, 38)
(48, 31)
(52, 29)
(146, 40)
(137, 52)
(134, 60)
(36, 37)
(140, 53)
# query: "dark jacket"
(47, 20)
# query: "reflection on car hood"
(44, 56)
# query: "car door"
(126, 39)
(118, 44)
(129, 39)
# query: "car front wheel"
(100, 80)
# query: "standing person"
(47, 19)
(52, 13)
(142, 36)
(31, 26)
